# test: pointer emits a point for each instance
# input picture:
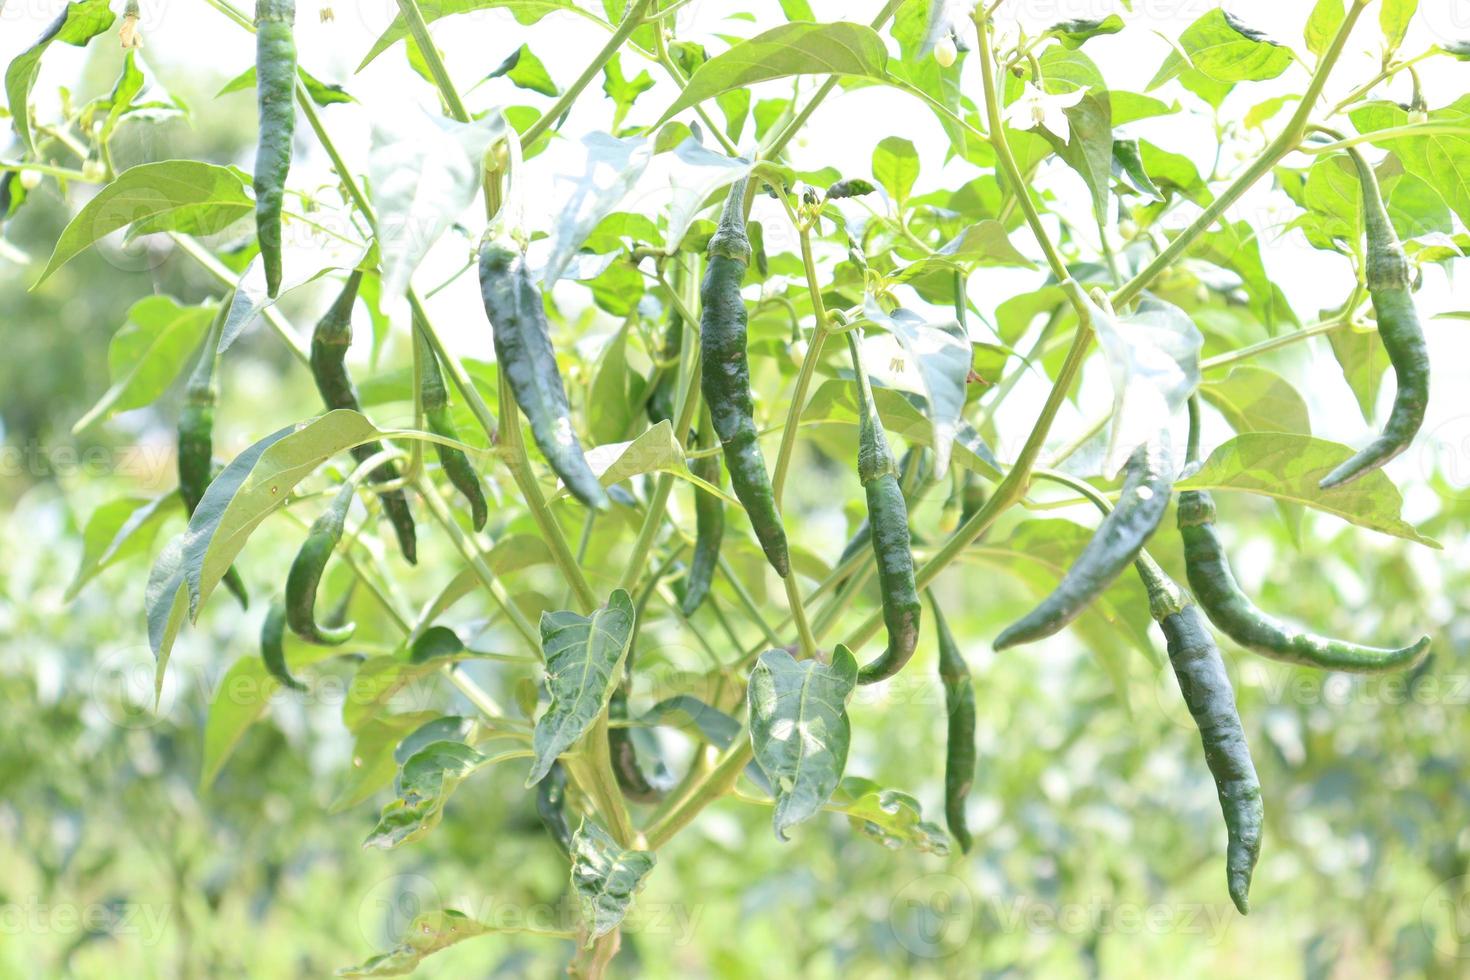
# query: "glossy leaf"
(605, 877)
(583, 655)
(799, 729)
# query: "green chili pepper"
(709, 522)
(888, 518)
(665, 388)
(551, 800)
(435, 399)
(1386, 272)
(725, 377)
(528, 362)
(196, 444)
(329, 343)
(624, 754)
(1211, 701)
(275, 88)
(1118, 540)
(273, 646)
(306, 573)
(1237, 617)
(959, 701)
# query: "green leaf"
(622, 90)
(118, 530)
(939, 355)
(1322, 25)
(81, 21)
(896, 167)
(616, 390)
(379, 680)
(605, 877)
(1128, 167)
(171, 195)
(147, 353)
(583, 655)
(1089, 146)
(252, 487)
(1288, 467)
(1363, 359)
(424, 784)
(890, 817)
(373, 761)
(984, 244)
(610, 167)
(1075, 33)
(791, 49)
(527, 12)
(322, 93)
(1442, 160)
(1174, 171)
(1253, 399)
(799, 729)
(696, 174)
(1224, 50)
(426, 935)
(1394, 18)
(525, 70)
(423, 171)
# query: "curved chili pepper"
(329, 343)
(888, 519)
(527, 361)
(275, 90)
(1237, 617)
(725, 377)
(1117, 542)
(959, 702)
(1386, 272)
(1211, 702)
(624, 755)
(457, 467)
(664, 390)
(273, 648)
(306, 573)
(709, 522)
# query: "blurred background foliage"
(1098, 833)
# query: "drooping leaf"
(605, 877)
(940, 356)
(799, 729)
(81, 21)
(179, 195)
(424, 784)
(373, 763)
(118, 530)
(424, 171)
(1287, 466)
(610, 168)
(147, 353)
(583, 655)
(892, 818)
(790, 49)
(426, 935)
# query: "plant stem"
(808, 365)
(632, 20)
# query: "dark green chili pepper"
(457, 466)
(959, 701)
(551, 801)
(709, 522)
(329, 343)
(725, 377)
(275, 90)
(624, 753)
(527, 361)
(888, 519)
(1386, 272)
(1118, 540)
(306, 573)
(273, 646)
(1211, 701)
(196, 444)
(665, 388)
(1237, 617)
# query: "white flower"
(1036, 108)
